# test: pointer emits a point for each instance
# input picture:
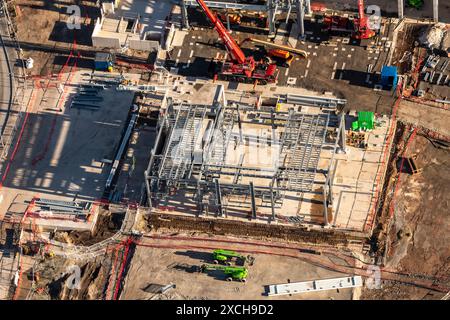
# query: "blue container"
(389, 77)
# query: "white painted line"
(309, 63)
(349, 56)
(287, 71)
(334, 54)
(188, 63)
(333, 74)
(177, 60)
(191, 54)
(191, 43)
(306, 73)
(179, 53)
(343, 66)
(335, 66)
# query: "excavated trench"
(157, 221)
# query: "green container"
(366, 120)
(355, 125)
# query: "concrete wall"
(101, 42)
(144, 45)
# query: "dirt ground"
(164, 266)
(44, 36)
(418, 239)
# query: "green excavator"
(233, 273)
(227, 256)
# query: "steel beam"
(228, 5)
(342, 136)
(252, 196)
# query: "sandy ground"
(158, 266)
(44, 36)
(420, 235)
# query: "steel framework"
(191, 149)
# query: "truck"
(227, 256)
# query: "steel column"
(184, 15)
(252, 196)
(300, 18)
(342, 136)
(400, 8)
(436, 10)
(271, 18)
(308, 6)
(219, 197)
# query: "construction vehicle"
(233, 18)
(227, 256)
(358, 27)
(362, 28)
(233, 273)
(239, 68)
(416, 4)
(282, 55)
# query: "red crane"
(359, 27)
(363, 30)
(240, 68)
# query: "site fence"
(17, 105)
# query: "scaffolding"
(203, 150)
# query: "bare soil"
(418, 237)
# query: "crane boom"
(231, 45)
(362, 14)
(364, 31)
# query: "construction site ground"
(44, 36)
(61, 150)
(176, 266)
(416, 241)
(338, 67)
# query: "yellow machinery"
(278, 51)
(269, 44)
